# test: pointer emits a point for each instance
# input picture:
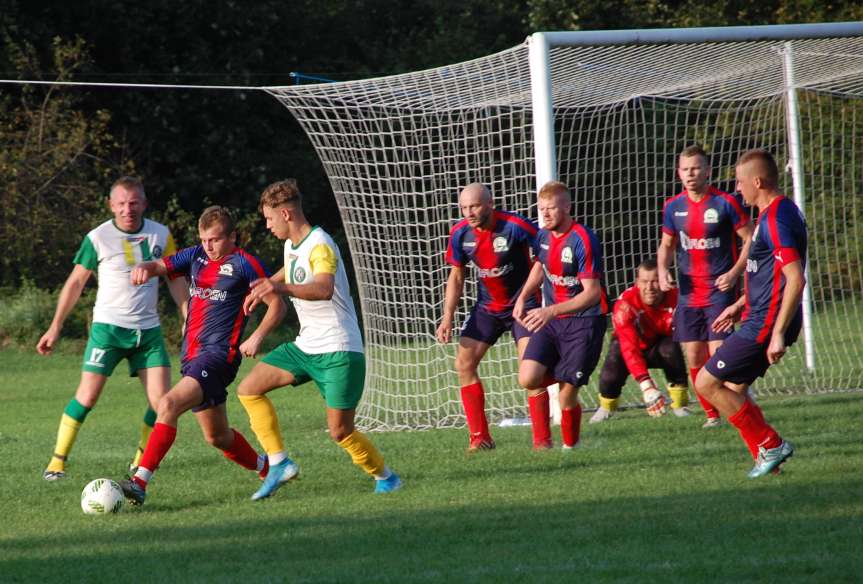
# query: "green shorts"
(108, 344)
(340, 375)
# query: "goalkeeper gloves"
(654, 401)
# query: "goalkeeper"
(642, 338)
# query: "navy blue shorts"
(486, 327)
(694, 324)
(742, 360)
(214, 374)
(569, 347)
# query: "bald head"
(476, 205)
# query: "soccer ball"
(102, 496)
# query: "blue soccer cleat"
(133, 492)
(389, 484)
(769, 459)
(278, 475)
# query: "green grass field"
(644, 500)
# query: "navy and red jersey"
(638, 327)
(567, 259)
(501, 256)
(779, 239)
(215, 321)
(706, 244)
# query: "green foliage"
(644, 500)
(55, 161)
(27, 311)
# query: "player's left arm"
(795, 281)
(727, 280)
(276, 310)
(324, 264)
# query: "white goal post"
(606, 112)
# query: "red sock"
(241, 452)
(473, 399)
(539, 415)
(570, 425)
(158, 445)
(755, 431)
(708, 408)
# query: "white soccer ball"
(102, 496)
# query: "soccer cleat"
(600, 415)
(478, 443)
(388, 485)
(567, 448)
(711, 423)
(54, 475)
(278, 475)
(654, 402)
(681, 412)
(547, 445)
(770, 459)
(133, 492)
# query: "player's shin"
(241, 452)
(709, 410)
(158, 445)
(570, 426)
(473, 399)
(755, 431)
(70, 423)
(146, 429)
(265, 425)
(364, 454)
(540, 413)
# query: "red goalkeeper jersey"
(638, 327)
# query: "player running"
(701, 222)
(125, 317)
(642, 320)
(771, 311)
(328, 350)
(498, 243)
(568, 331)
(221, 275)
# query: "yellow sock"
(364, 454)
(608, 404)
(679, 395)
(265, 424)
(66, 435)
(142, 443)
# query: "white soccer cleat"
(712, 423)
(681, 412)
(600, 415)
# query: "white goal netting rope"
(397, 150)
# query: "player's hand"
(251, 346)
(666, 280)
(726, 319)
(258, 289)
(444, 331)
(726, 281)
(140, 274)
(776, 349)
(46, 344)
(518, 310)
(654, 401)
(537, 318)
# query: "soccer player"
(221, 274)
(701, 223)
(642, 320)
(125, 317)
(568, 331)
(328, 350)
(498, 243)
(770, 310)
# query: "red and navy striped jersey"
(566, 260)
(215, 321)
(780, 238)
(501, 256)
(706, 243)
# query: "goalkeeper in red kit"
(642, 339)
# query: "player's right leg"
(612, 377)
(218, 433)
(468, 356)
(696, 353)
(89, 389)
(283, 366)
(151, 363)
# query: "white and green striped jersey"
(112, 253)
(326, 326)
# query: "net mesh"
(397, 150)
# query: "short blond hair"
(767, 168)
(552, 188)
(216, 214)
(130, 183)
(283, 192)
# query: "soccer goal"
(605, 112)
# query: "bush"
(28, 311)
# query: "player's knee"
(339, 433)
(168, 407)
(221, 440)
(465, 365)
(529, 379)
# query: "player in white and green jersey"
(328, 350)
(125, 319)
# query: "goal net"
(398, 149)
